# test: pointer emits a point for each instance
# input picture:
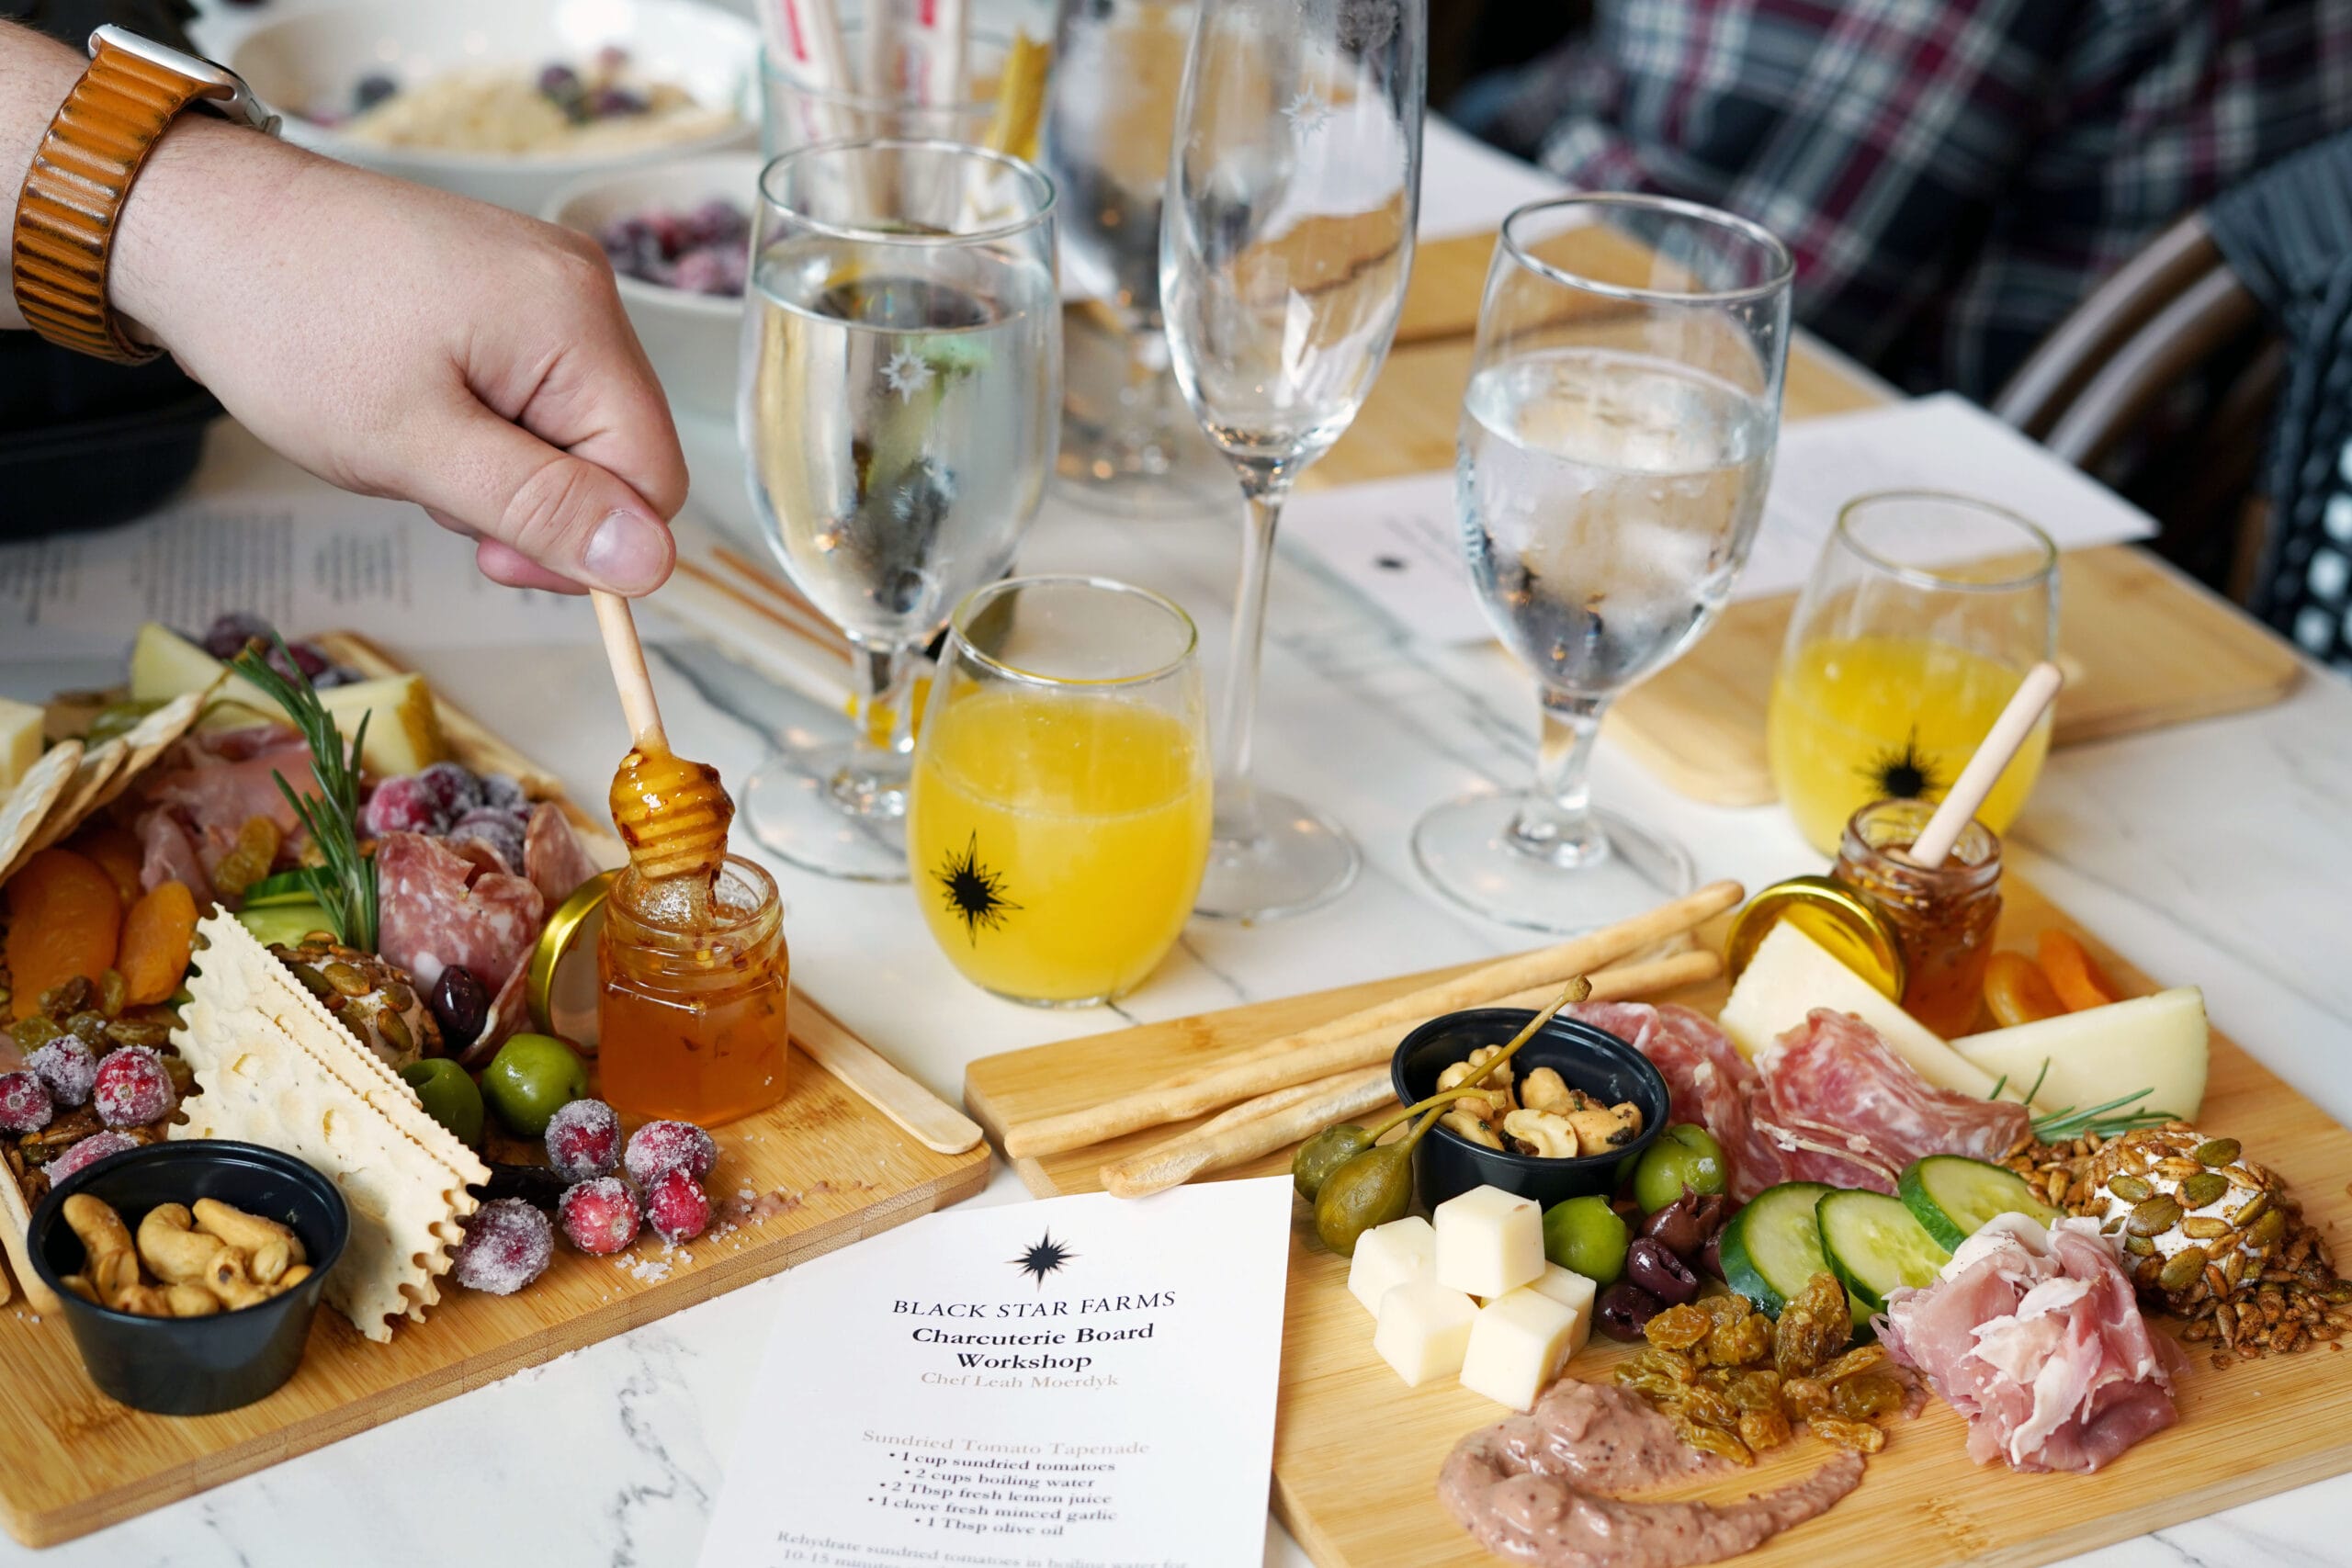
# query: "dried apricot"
(2018, 991)
(2073, 974)
(64, 918)
(157, 937)
(113, 851)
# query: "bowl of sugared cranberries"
(679, 238)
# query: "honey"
(672, 814)
(1943, 917)
(691, 1010)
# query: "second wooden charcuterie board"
(1356, 1453)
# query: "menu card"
(1082, 1383)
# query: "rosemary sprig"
(2106, 1120)
(2027, 1098)
(346, 884)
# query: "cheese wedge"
(20, 741)
(2154, 1042)
(1791, 974)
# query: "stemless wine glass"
(900, 383)
(1128, 445)
(1922, 615)
(1059, 818)
(1615, 446)
(1284, 245)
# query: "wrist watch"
(83, 170)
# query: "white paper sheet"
(1116, 1407)
(1397, 541)
(264, 536)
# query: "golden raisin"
(1679, 1327)
(1853, 1363)
(1840, 1433)
(1714, 1440)
(1739, 1342)
(1761, 1429)
(1866, 1397)
(1758, 1390)
(1813, 1329)
(1804, 1398)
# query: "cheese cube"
(1387, 1256)
(1572, 1291)
(1516, 1347)
(1424, 1330)
(1489, 1242)
(20, 741)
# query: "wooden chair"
(2171, 319)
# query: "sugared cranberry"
(227, 635)
(133, 1088)
(658, 1148)
(508, 1244)
(24, 1105)
(503, 792)
(66, 1068)
(585, 1140)
(452, 788)
(676, 1206)
(496, 829)
(461, 1005)
(88, 1152)
(599, 1216)
(399, 806)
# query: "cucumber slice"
(1873, 1244)
(1773, 1247)
(1952, 1196)
(286, 887)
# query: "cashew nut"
(270, 1247)
(1471, 1125)
(176, 1254)
(1545, 1089)
(1494, 1091)
(1547, 1133)
(1599, 1131)
(112, 1267)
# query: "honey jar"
(1943, 918)
(691, 1007)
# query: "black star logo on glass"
(974, 893)
(1903, 772)
(1049, 1257)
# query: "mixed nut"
(1539, 1114)
(204, 1260)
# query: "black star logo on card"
(1049, 1257)
(974, 893)
(1903, 772)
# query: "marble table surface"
(2216, 852)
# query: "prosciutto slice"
(1828, 1101)
(167, 851)
(435, 907)
(219, 782)
(2035, 1337)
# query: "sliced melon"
(20, 741)
(1791, 974)
(2154, 1042)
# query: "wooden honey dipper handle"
(627, 656)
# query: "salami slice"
(553, 857)
(1707, 1078)
(435, 907)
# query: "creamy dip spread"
(1533, 1488)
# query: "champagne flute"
(1615, 446)
(900, 381)
(1285, 240)
(1128, 445)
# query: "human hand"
(399, 341)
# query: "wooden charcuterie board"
(1356, 1453)
(834, 1170)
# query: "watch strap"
(73, 197)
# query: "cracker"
(26, 806)
(100, 766)
(156, 734)
(274, 1068)
(16, 1239)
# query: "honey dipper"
(672, 814)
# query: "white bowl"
(312, 59)
(690, 338)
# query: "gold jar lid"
(576, 917)
(1848, 925)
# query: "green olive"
(1585, 1236)
(1325, 1153)
(1686, 1154)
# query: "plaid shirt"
(1954, 175)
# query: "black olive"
(1625, 1310)
(1710, 1257)
(1649, 1265)
(461, 1003)
(535, 1184)
(1687, 1225)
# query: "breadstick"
(1181, 1159)
(1362, 1044)
(1249, 1110)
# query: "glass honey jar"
(691, 1006)
(1943, 917)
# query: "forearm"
(35, 73)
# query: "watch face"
(224, 89)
